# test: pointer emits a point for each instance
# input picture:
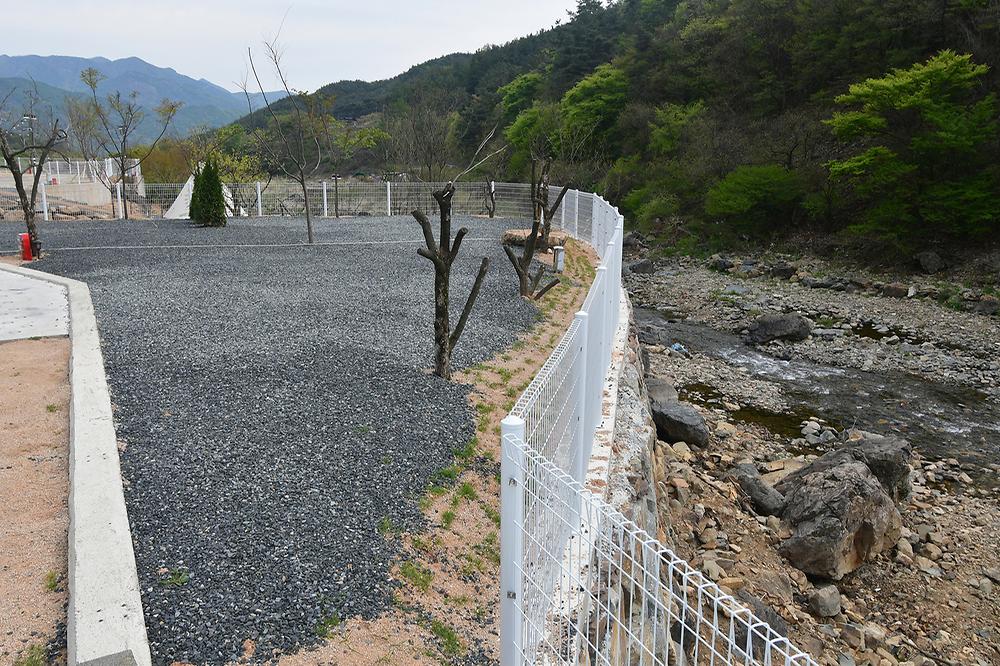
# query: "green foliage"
(419, 576)
(451, 646)
(592, 105)
(208, 203)
(928, 134)
(755, 198)
(33, 656)
(519, 94)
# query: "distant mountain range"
(205, 104)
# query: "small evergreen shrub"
(208, 205)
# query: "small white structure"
(181, 207)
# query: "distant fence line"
(336, 198)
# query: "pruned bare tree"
(293, 143)
(442, 254)
(24, 134)
(114, 121)
(540, 196)
(542, 214)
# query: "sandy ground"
(447, 602)
(11, 260)
(34, 442)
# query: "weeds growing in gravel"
(52, 581)
(326, 626)
(52, 409)
(447, 518)
(175, 577)
(33, 656)
(450, 645)
(418, 576)
(465, 492)
(386, 527)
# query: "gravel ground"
(275, 406)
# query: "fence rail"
(580, 583)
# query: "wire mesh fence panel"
(151, 200)
(581, 583)
(597, 589)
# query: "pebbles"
(275, 407)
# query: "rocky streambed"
(832, 451)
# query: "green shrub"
(757, 199)
(208, 205)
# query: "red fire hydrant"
(26, 247)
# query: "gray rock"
(783, 270)
(986, 305)
(792, 326)
(888, 459)
(839, 516)
(929, 262)
(895, 290)
(633, 239)
(766, 500)
(717, 262)
(660, 390)
(679, 422)
(643, 266)
(825, 601)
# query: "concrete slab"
(31, 308)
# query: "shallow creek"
(940, 420)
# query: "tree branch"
(457, 333)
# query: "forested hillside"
(715, 121)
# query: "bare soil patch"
(34, 485)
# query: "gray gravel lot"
(275, 406)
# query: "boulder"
(633, 239)
(839, 516)
(825, 601)
(895, 290)
(642, 266)
(986, 305)
(887, 458)
(660, 390)
(717, 262)
(929, 262)
(679, 422)
(792, 326)
(766, 500)
(783, 270)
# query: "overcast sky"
(324, 41)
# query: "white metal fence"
(581, 583)
(339, 198)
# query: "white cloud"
(324, 41)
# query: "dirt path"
(34, 440)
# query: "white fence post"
(511, 537)
(582, 432)
(118, 196)
(326, 210)
(260, 204)
(576, 216)
(388, 199)
(45, 200)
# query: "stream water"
(942, 421)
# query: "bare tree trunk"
(309, 224)
(442, 254)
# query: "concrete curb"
(104, 618)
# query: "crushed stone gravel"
(275, 404)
